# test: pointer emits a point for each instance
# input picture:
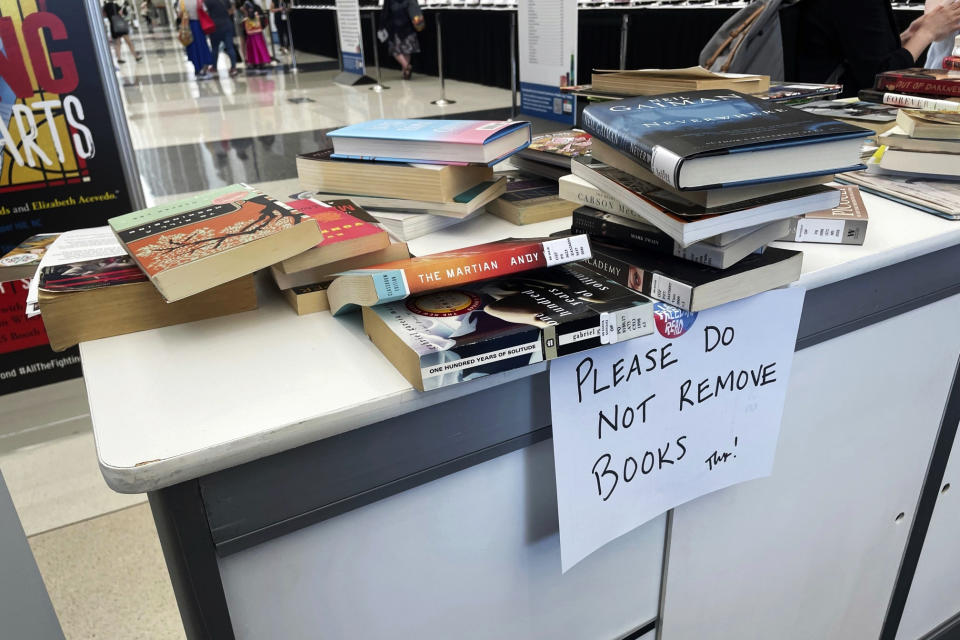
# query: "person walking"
(221, 12)
(119, 30)
(198, 51)
(401, 19)
(257, 55)
(280, 18)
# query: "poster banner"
(645, 425)
(351, 36)
(60, 167)
(547, 39)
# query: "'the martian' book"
(195, 244)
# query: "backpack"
(750, 41)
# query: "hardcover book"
(453, 335)
(398, 280)
(558, 148)
(632, 233)
(925, 82)
(317, 171)
(708, 139)
(690, 286)
(846, 223)
(345, 234)
(709, 198)
(530, 200)
(688, 223)
(441, 141)
(195, 244)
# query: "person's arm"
(940, 19)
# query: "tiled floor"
(97, 550)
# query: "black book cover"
(672, 280)
(662, 131)
(619, 230)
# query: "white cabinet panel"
(813, 551)
(935, 592)
(474, 555)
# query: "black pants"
(282, 33)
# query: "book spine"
(593, 197)
(650, 283)
(924, 86)
(453, 271)
(826, 231)
(656, 159)
(911, 102)
(622, 234)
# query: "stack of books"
(917, 163)
(684, 192)
(437, 168)
(179, 262)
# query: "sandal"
(407, 72)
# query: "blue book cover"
(662, 132)
(454, 131)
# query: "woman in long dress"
(198, 51)
(257, 54)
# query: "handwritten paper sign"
(642, 426)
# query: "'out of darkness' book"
(708, 139)
(925, 82)
(195, 244)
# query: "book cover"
(935, 196)
(21, 262)
(335, 223)
(189, 236)
(846, 110)
(446, 337)
(400, 279)
(676, 281)
(663, 132)
(580, 192)
(474, 132)
(927, 82)
(558, 147)
(844, 224)
(799, 93)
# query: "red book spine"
(921, 86)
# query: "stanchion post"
(376, 54)
(442, 101)
(513, 64)
(292, 49)
(624, 34)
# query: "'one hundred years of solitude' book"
(454, 335)
(705, 139)
(195, 244)
(398, 280)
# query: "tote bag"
(184, 34)
(206, 22)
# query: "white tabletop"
(176, 403)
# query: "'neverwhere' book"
(195, 244)
(453, 335)
(397, 280)
(690, 286)
(708, 139)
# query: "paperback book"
(22, 262)
(631, 233)
(318, 171)
(454, 335)
(708, 139)
(440, 141)
(530, 200)
(653, 81)
(395, 251)
(557, 148)
(398, 280)
(345, 233)
(690, 286)
(938, 197)
(195, 244)
(688, 223)
(846, 223)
